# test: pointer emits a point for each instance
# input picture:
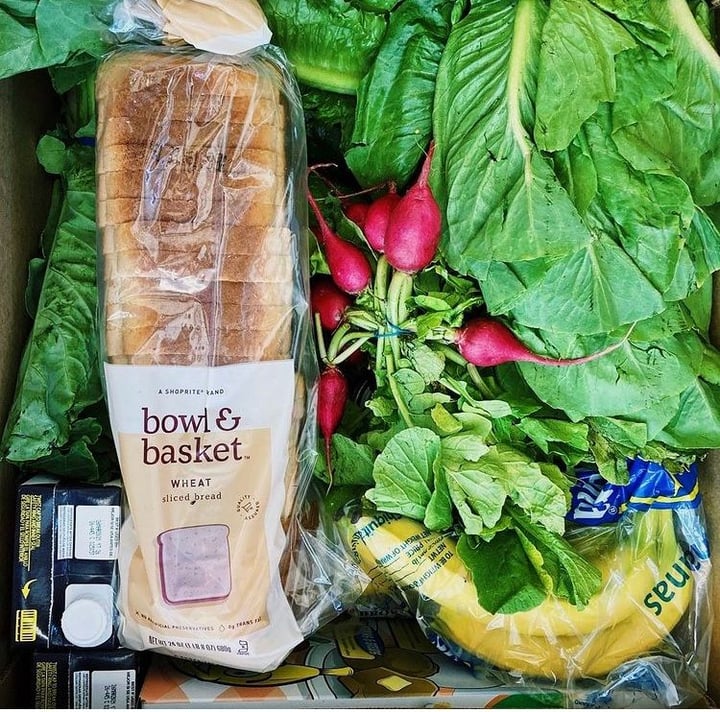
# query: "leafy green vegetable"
(494, 185)
(592, 146)
(664, 113)
(353, 463)
(525, 556)
(394, 114)
(583, 43)
(375, 5)
(404, 473)
(518, 589)
(559, 566)
(51, 33)
(329, 118)
(630, 379)
(330, 43)
(52, 423)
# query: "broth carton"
(77, 679)
(65, 565)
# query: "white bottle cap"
(85, 623)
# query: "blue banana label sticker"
(597, 501)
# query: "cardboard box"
(372, 662)
(350, 663)
(27, 109)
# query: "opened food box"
(359, 353)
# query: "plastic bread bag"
(644, 633)
(224, 26)
(210, 373)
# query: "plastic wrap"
(644, 632)
(209, 368)
(224, 26)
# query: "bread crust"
(198, 258)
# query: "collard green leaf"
(650, 212)
(20, 48)
(501, 198)
(634, 377)
(65, 28)
(20, 8)
(59, 377)
(529, 290)
(394, 114)
(54, 33)
(703, 242)
(664, 109)
(404, 473)
(330, 43)
(696, 424)
(375, 5)
(643, 26)
(576, 69)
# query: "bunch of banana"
(647, 586)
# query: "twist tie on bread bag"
(228, 27)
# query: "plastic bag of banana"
(646, 629)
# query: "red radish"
(378, 216)
(348, 265)
(413, 231)
(328, 301)
(485, 342)
(357, 212)
(332, 397)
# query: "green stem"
(380, 287)
(456, 357)
(320, 338)
(396, 309)
(351, 349)
(336, 340)
(399, 400)
(404, 293)
(361, 319)
(479, 382)
(352, 336)
(451, 354)
(380, 297)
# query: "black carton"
(97, 679)
(65, 564)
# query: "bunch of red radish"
(405, 231)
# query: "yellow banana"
(426, 567)
(630, 565)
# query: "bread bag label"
(204, 454)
